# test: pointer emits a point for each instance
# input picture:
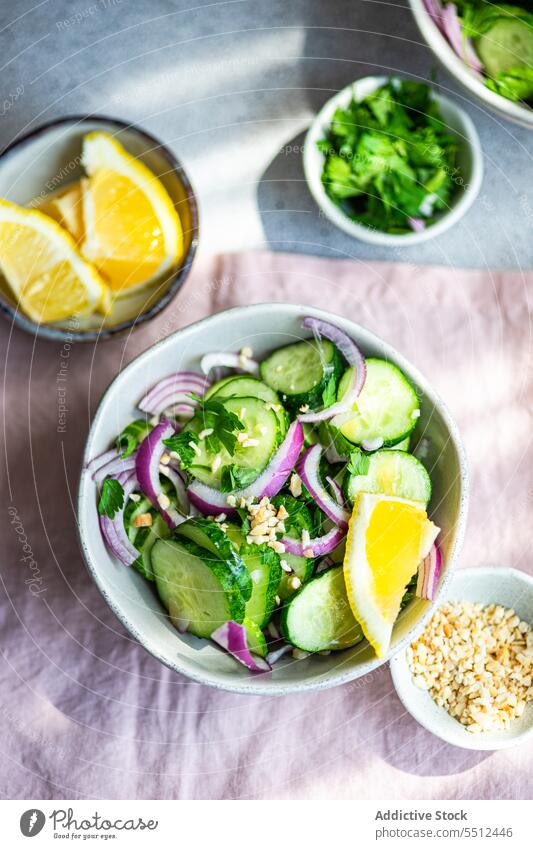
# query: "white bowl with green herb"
(487, 47)
(392, 162)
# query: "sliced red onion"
(353, 357)
(172, 390)
(232, 637)
(372, 444)
(318, 545)
(308, 469)
(273, 656)
(226, 359)
(269, 482)
(459, 43)
(417, 224)
(101, 460)
(428, 574)
(434, 10)
(115, 467)
(337, 491)
(113, 530)
(147, 467)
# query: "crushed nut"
(477, 663)
(295, 485)
(143, 520)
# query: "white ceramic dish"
(463, 74)
(470, 163)
(134, 601)
(488, 585)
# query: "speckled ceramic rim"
(177, 277)
(335, 678)
(468, 79)
(481, 572)
(312, 161)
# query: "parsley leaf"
(236, 477)
(111, 498)
(358, 463)
(329, 395)
(213, 415)
(181, 444)
(132, 436)
(245, 520)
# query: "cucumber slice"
(319, 617)
(209, 535)
(302, 567)
(132, 510)
(302, 371)
(391, 473)
(158, 530)
(241, 387)
(255, 638)
(260, 423)
(507, 44)
(401, 446)
(196, 587)
(264, 569)
(387, 408)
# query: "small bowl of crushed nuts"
(467, 677)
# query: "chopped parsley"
(390, 158)
(213, 415)
(234, 477)
(181, 444)
(358, 463)
(132, 436)
(111, 498)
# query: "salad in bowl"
(279, 506)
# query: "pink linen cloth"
(86, 712)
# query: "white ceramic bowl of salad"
(469, 163)
(199, 583)
(509, 588)
(469, 77)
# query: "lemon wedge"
(133, 234)
(387, 538)
(44, 269)
(66, 208)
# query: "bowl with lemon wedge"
(98, 228)
(272, 500)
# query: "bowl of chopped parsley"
(392, 162)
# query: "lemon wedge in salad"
(133, 234)
(387, 538)
(44, 268)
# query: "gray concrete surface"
(231, 87)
